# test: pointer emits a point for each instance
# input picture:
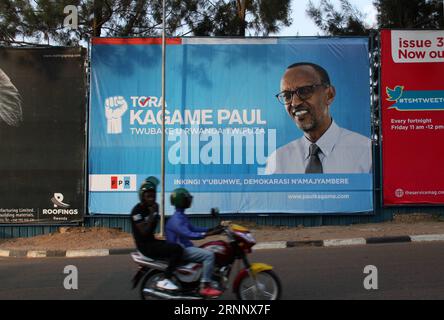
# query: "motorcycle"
(255, 281)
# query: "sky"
(304, 26)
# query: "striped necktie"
(314, 163)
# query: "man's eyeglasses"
(303, 93)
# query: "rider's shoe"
(167, 284)
(215, 285)
(208, 291)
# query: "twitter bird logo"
(394, 94)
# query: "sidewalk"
(104, 241)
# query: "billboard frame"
(381, 119)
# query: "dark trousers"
(162, 250)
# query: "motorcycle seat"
(184, 267)
(148, 259)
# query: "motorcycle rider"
(144, 219)
(179, 230)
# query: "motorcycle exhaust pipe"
(164, 295)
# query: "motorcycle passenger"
(179, 230)
(144, 219)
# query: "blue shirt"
(179, 230)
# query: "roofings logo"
(62, 211)
(57, 201)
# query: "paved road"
(406, 271)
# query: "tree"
(257, 17)
(346, 21)
(24, 22)
(418, 14)
(41, 21)
(421, 14)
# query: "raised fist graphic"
(115, 108)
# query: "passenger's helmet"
(181, 198)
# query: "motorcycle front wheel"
(267, 287)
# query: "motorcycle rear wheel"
(149, 282)
(270, 287)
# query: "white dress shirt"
(342, 151)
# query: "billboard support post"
(162, 201)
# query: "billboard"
(412, 86)
(233, 138)
(42, 130)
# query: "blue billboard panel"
(274, 125)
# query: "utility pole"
(162, 169)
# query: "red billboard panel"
(412, 86)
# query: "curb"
(260, 246)
(63, 254)
(366, 241)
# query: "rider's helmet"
(148, 184)
(181, 198)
